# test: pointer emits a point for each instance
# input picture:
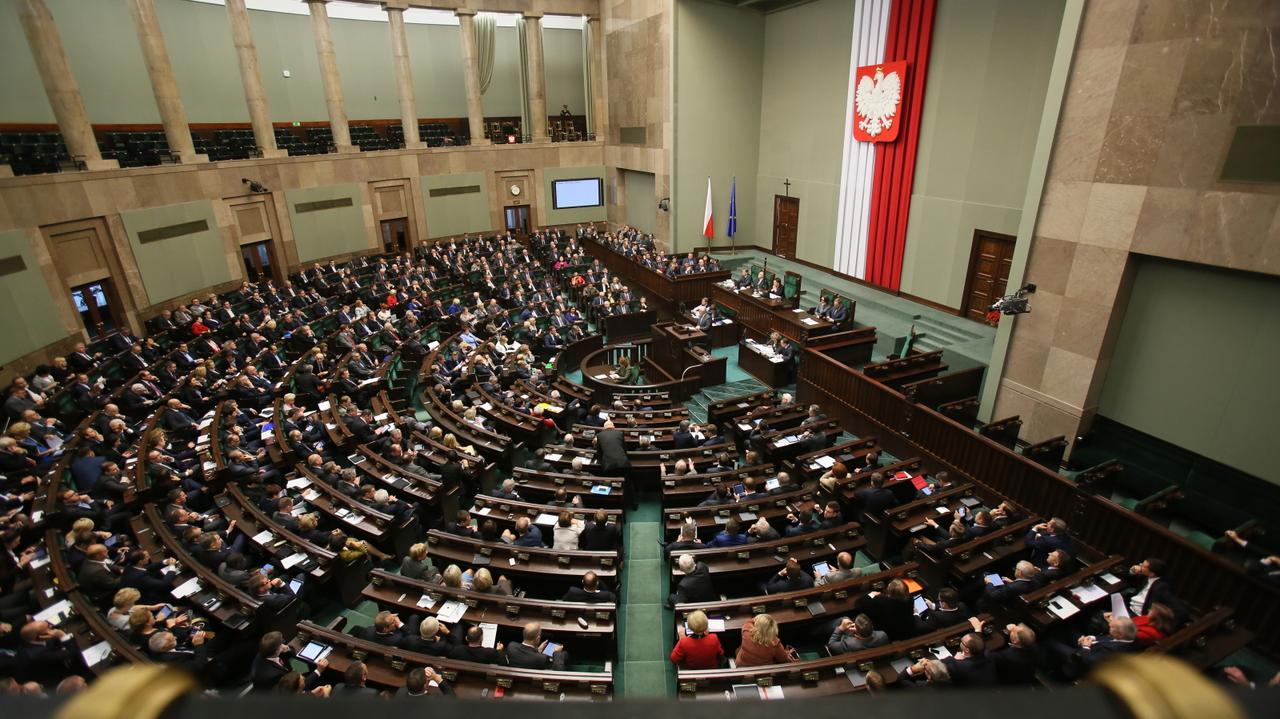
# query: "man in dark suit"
(473, 650)
(1090, 651)
(838, 313)
(695, 585)
(1149, 586)
(528, 653)
(353, 681)
(589, 592)
(875, 498)
(947, 611)
(42, 656)
(431, 639)
(1016, 662)
(147, 577)
(600, 535)
(683, 438)
(271, 664)
(1046, 537)
(99, 577)
(971, 667)
(612, 456)
(788, 579)
(1024, 581)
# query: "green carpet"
(645, 627)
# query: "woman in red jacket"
(1157, 624)
(697, 649)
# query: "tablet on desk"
(918, 606)
(551, 648)
(314, 652)
(994, 580)
(739, 488)
(821, 569)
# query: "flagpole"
(733, 218)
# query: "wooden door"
(98, 307)
(259, 261)
(786, 215)
(395, 236)
(989, 264)
(517, 217)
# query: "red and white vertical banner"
(888, 67)
(708, 223)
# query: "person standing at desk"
(613, 458)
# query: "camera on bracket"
(1015, 304)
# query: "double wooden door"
(989, 264)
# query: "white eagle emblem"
(877, 102)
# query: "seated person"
(529, 652)
(695, 585)
(761, 645)
(697, 648)
(730, 536)
(590, 591)
(788, 579)
(852, 635)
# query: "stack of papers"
(451, 611)
(54, 613)
(96, 654)
(293, 560)
(187, 588)
(489, 634)
(1088, 593)
(426, 602)
(809, 321)
(546, 518)
(1062, 608)
(825, 461)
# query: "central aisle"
(646, 630)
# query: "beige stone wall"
(638, 78)
(1156, 90)
(42, 206)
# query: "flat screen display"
(587, 192)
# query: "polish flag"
(708, 223)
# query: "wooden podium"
(673, 351)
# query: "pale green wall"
(198, 37)
(178, 265)
(577, 214)
(503, 97)
(325, 233)
(1219, 327)
(719, 58)
(562, 70)
(456, 214)
(22, 97)
(641, 200)
(988, 71)
(30, 321)
(806, 51)
(103, 49)
(439, 88)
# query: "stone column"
(597, 78)
(254, 96)
(471, 71)
(163, 83)
(537, 79)
(329, 76)
(60, 85)
(404, 73)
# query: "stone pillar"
(60, 85)
(597, 78)
(329, 76)
(471, 71)
(537, 79)
(163, 83)
(254, 96)
(404, 73)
